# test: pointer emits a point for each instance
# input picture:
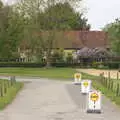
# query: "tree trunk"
(48, 60)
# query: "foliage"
(113, 30)
(10, 32)
(45, 17)
(113, 65)
(57, 56)
(96, 64)
(69, 58)
(63, 17)
(1, 4)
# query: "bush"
(97, 64)
(57, 56)
(113, 65)
(20, 64)
(69, 57)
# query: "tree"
(113, 30)
(1, 4)
(10, 32)
(44, 21)
(65, 17)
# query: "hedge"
(20, 64)
(112, 65)
(38, 65)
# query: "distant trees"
(113, 30)
(10, 32)
(34, 23)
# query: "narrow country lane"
(43, 99)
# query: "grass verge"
(10, 95)
(57, 73)
(98, 86)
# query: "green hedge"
(38, 65)
(109, 65)
(113, 65)
(106, 65)
(20, 64)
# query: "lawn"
(59, 73)
(7, 98)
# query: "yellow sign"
(77, 76)
(85, 84)
(94, 97)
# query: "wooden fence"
(110, 83)
(5, 84)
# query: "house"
(77, 40)
(80, 39)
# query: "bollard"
(86, 86)
(118, 90)
(5, 87)
(94, 102)
(117, 75)
(1, 90)
(77, 78)
(109, 75)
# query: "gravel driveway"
(43, 99)
(113, 73)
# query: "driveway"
(113, 73)
(44, 99)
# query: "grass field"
(10, 94)
(60, 73)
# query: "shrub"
(97, 64)
(112, 65)
(69, 58)
(21, 64)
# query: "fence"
(111, 84)
(5, 84)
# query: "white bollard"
(77, 78)
(94, 102)
(86, 86)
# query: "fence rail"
(111, 84)
(5, 84)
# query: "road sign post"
(77, 78)
(85, 86)
(94, 102)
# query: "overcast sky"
(100, 12)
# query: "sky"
(99, 12)
(102, 12)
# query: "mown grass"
(10, 95)
(98, 86)
(59, 73)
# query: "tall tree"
(65, 17)
(113, 30)
(10, 32)
(45, 17)
(1, 4)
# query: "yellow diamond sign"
(85, 83)
(94, 97)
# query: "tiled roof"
(80, 39)
(77, 39)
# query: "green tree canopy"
(113, 30)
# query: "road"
(44, 99)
